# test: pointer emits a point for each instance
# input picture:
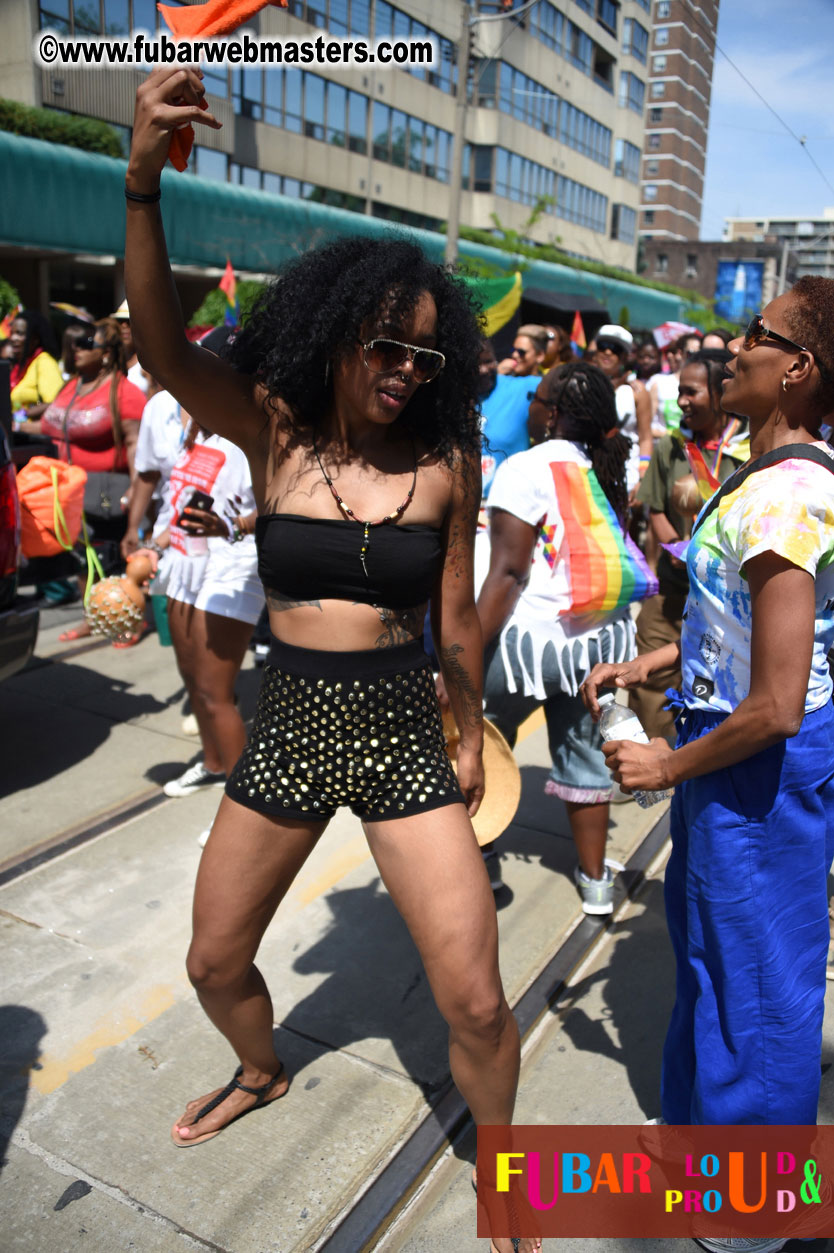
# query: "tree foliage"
(212, 311)
(9, 297)
(60, 128)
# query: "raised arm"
(225, 402)
(457, 631)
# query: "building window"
(603, 72)
(655, 115)
(635, 39)
(210, 164)
(632, 91)
(623, 223)
(645, 4)
(663, 10)
(691, 265)
(547, 24)
(658, 90)
(607, 14)
(661, 37)
(654, 141)
(584, 134)
(652, 168)
(659, 64)
(650, 191)
(648, 217)
(522, 97)
(661, 263)
(627, 161)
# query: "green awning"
(66, 200)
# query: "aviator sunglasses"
(383, 356)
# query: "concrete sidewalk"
(102, 1041)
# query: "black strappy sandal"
(515, 1241)
(233, 1085)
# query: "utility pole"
(459, 139)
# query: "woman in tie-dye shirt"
(753, 814)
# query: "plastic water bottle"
(618, 722)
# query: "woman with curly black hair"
(353, 391)
(539, 648)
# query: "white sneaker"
(202, 838)
(193, 779)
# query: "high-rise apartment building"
(556, 109)
(677, 117)
(807, 244)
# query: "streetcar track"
(76, 837)
(448, 1117)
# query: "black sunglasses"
(757, 333)
(612, 345)
(383, 356)
(87, 342)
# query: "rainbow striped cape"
(607, 569)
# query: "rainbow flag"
(6, 324)
(708, 484)
(577, 333)
(228, 285)
(607, 569)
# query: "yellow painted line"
(117, 1027)
(531, 724)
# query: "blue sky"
(754, 167)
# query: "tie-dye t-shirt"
(787, 509)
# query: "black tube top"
(319, 559)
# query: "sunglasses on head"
(383, 356)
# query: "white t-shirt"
(160, 441)
(137, 376)
(524, 486)
(220, 469)
(627, 413)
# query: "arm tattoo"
(462, 531)
(279, 603)
(458, 676)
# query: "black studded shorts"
(356, 728)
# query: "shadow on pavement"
(637, 987)
(45, 736)
(21, 1031)
(375, 990)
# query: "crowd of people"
(358, 459)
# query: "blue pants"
(747, 908)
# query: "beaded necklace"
(366, 523)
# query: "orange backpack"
(51, 504)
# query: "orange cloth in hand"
(207, 21)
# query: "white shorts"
(226, 584)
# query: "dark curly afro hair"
(324, 302)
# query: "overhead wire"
(802, 141)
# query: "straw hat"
(502, 775)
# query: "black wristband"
(141, 198)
